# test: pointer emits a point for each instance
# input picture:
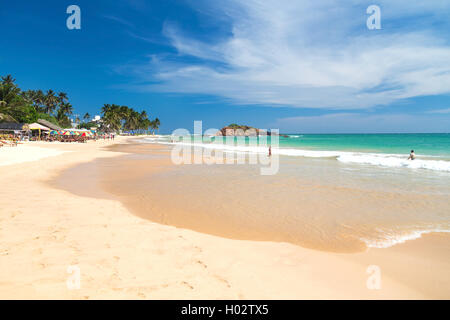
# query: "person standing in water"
(412, 155)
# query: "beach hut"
(12, 126)
(39, 127)
(48, 124)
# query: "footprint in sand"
(222, 280)
(202, 264)
(198, 249)
(15, 213)
(187, 285)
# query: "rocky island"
(243, 130)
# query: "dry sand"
(45, 230)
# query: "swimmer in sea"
(412, 155)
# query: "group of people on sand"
(8, 140)
(11, 143)
(107, 136)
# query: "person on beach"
(412, 155)
(270, 151)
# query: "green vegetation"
(87, 125)
(235, 126)
(116, 118)
(29, 106)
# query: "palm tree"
(112, 117)
(66, 108)
(29, 95)
(87, 116)
(38, 100)
(144, 123)
(156, 124)
(8, 89)
(50, 101)
(8, 80)
(131, 120)
(62, 97)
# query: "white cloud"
(311, 54)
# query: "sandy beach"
(46, 231)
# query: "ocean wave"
(375, 159)
(395, 162)
(392, 240)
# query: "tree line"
(122, 118)
(29, 106)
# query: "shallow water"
(317, 203)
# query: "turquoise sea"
(428, 144)
(385, 150)
(332, 191)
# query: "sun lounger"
(9, 143)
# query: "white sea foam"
(375, 159)
(395, 161)
(392, 240)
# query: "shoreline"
(123, 256)
(218, 200)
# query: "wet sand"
(128, 178)
(238, 203)
(56, 213)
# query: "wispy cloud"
(441, 111)
(311, 54)
(119, 20)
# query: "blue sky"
(300, 66)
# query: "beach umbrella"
(77, 133)
(53, 132)
(66, 133)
